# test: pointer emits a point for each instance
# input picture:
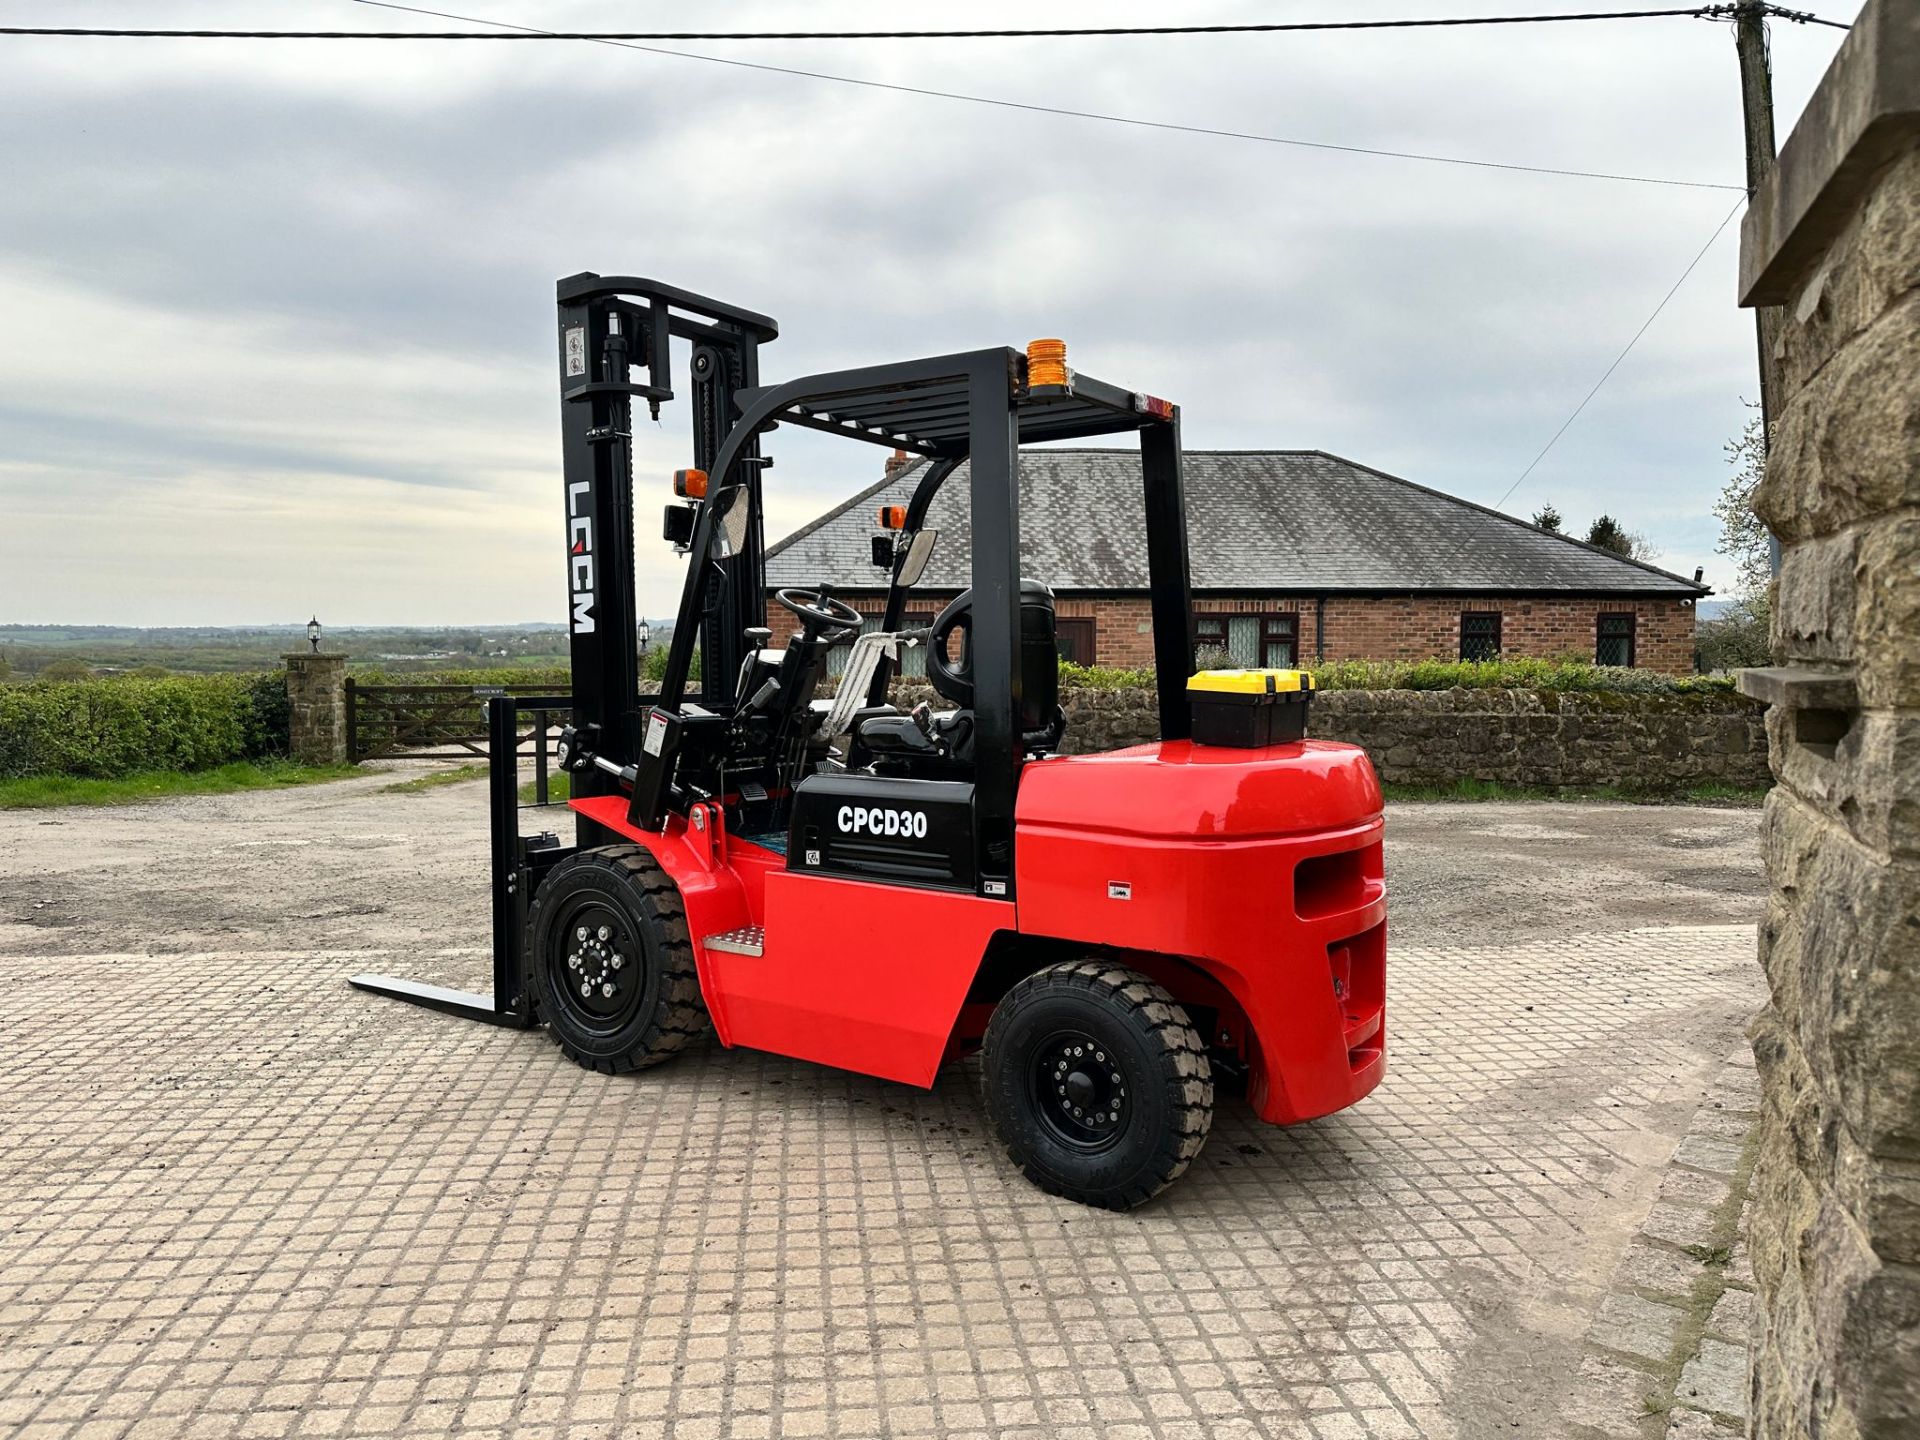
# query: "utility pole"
(1756, 108)
(1756, 105)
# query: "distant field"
(26, 650)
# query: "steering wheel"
(819, 615)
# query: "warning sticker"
(576, 350)
(656, 734)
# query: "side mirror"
(732, 512)
(918, 553)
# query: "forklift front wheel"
(1097, 1083)
(610, 961)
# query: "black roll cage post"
(975, 406)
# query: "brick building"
(1296, 554)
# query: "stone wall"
(1834, 238)
(1544, 739)
(317, 708)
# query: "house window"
(913, 662)
(1480, 635)
(1075, 639)
(1613, 640)
(1254, 641)
(1280, 641)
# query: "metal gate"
(430, 722)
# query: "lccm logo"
(580, 558)
(878, 820)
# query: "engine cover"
(915, 832)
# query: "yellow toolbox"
(1247, 709)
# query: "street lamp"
(313, 634)
(646, 634)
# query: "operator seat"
(930, 743)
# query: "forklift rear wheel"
(611, 961)
(1097, 1082)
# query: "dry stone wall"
(1549, 740)
(1834, 238)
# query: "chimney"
(896, 462)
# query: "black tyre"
(1098, 1083)
(611, 963)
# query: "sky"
(276, 319)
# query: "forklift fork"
(514, 865)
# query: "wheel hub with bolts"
(598, 969)
(1081, 1089)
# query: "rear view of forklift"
(826, 878)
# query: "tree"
(1739, 636)
(1743, 535)
(1548, 518)
(1609, 534)
(1736, 638)
(66, 670)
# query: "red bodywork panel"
(1252, 876)
(1207, 846)
(861, 976)
(866, 977)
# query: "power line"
(1773, 12)
(1135, 121)
(1608, 372)
(1060, 32)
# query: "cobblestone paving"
(237, 1198)
(1668, 1346)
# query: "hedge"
(554, 677)
(109, 728)
(1518, 674)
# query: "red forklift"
(826, 878)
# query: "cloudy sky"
(276, 317)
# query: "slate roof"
(1257, 520)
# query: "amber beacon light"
(1047, 362)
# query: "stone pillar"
(1833, 236)
(317, 708)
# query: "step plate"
(747, 940)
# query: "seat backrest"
(1039, 657)
(862, 661)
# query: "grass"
(559, 788)
(559, 785)
(1470, 791)
(433, 781)
(41, 792)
